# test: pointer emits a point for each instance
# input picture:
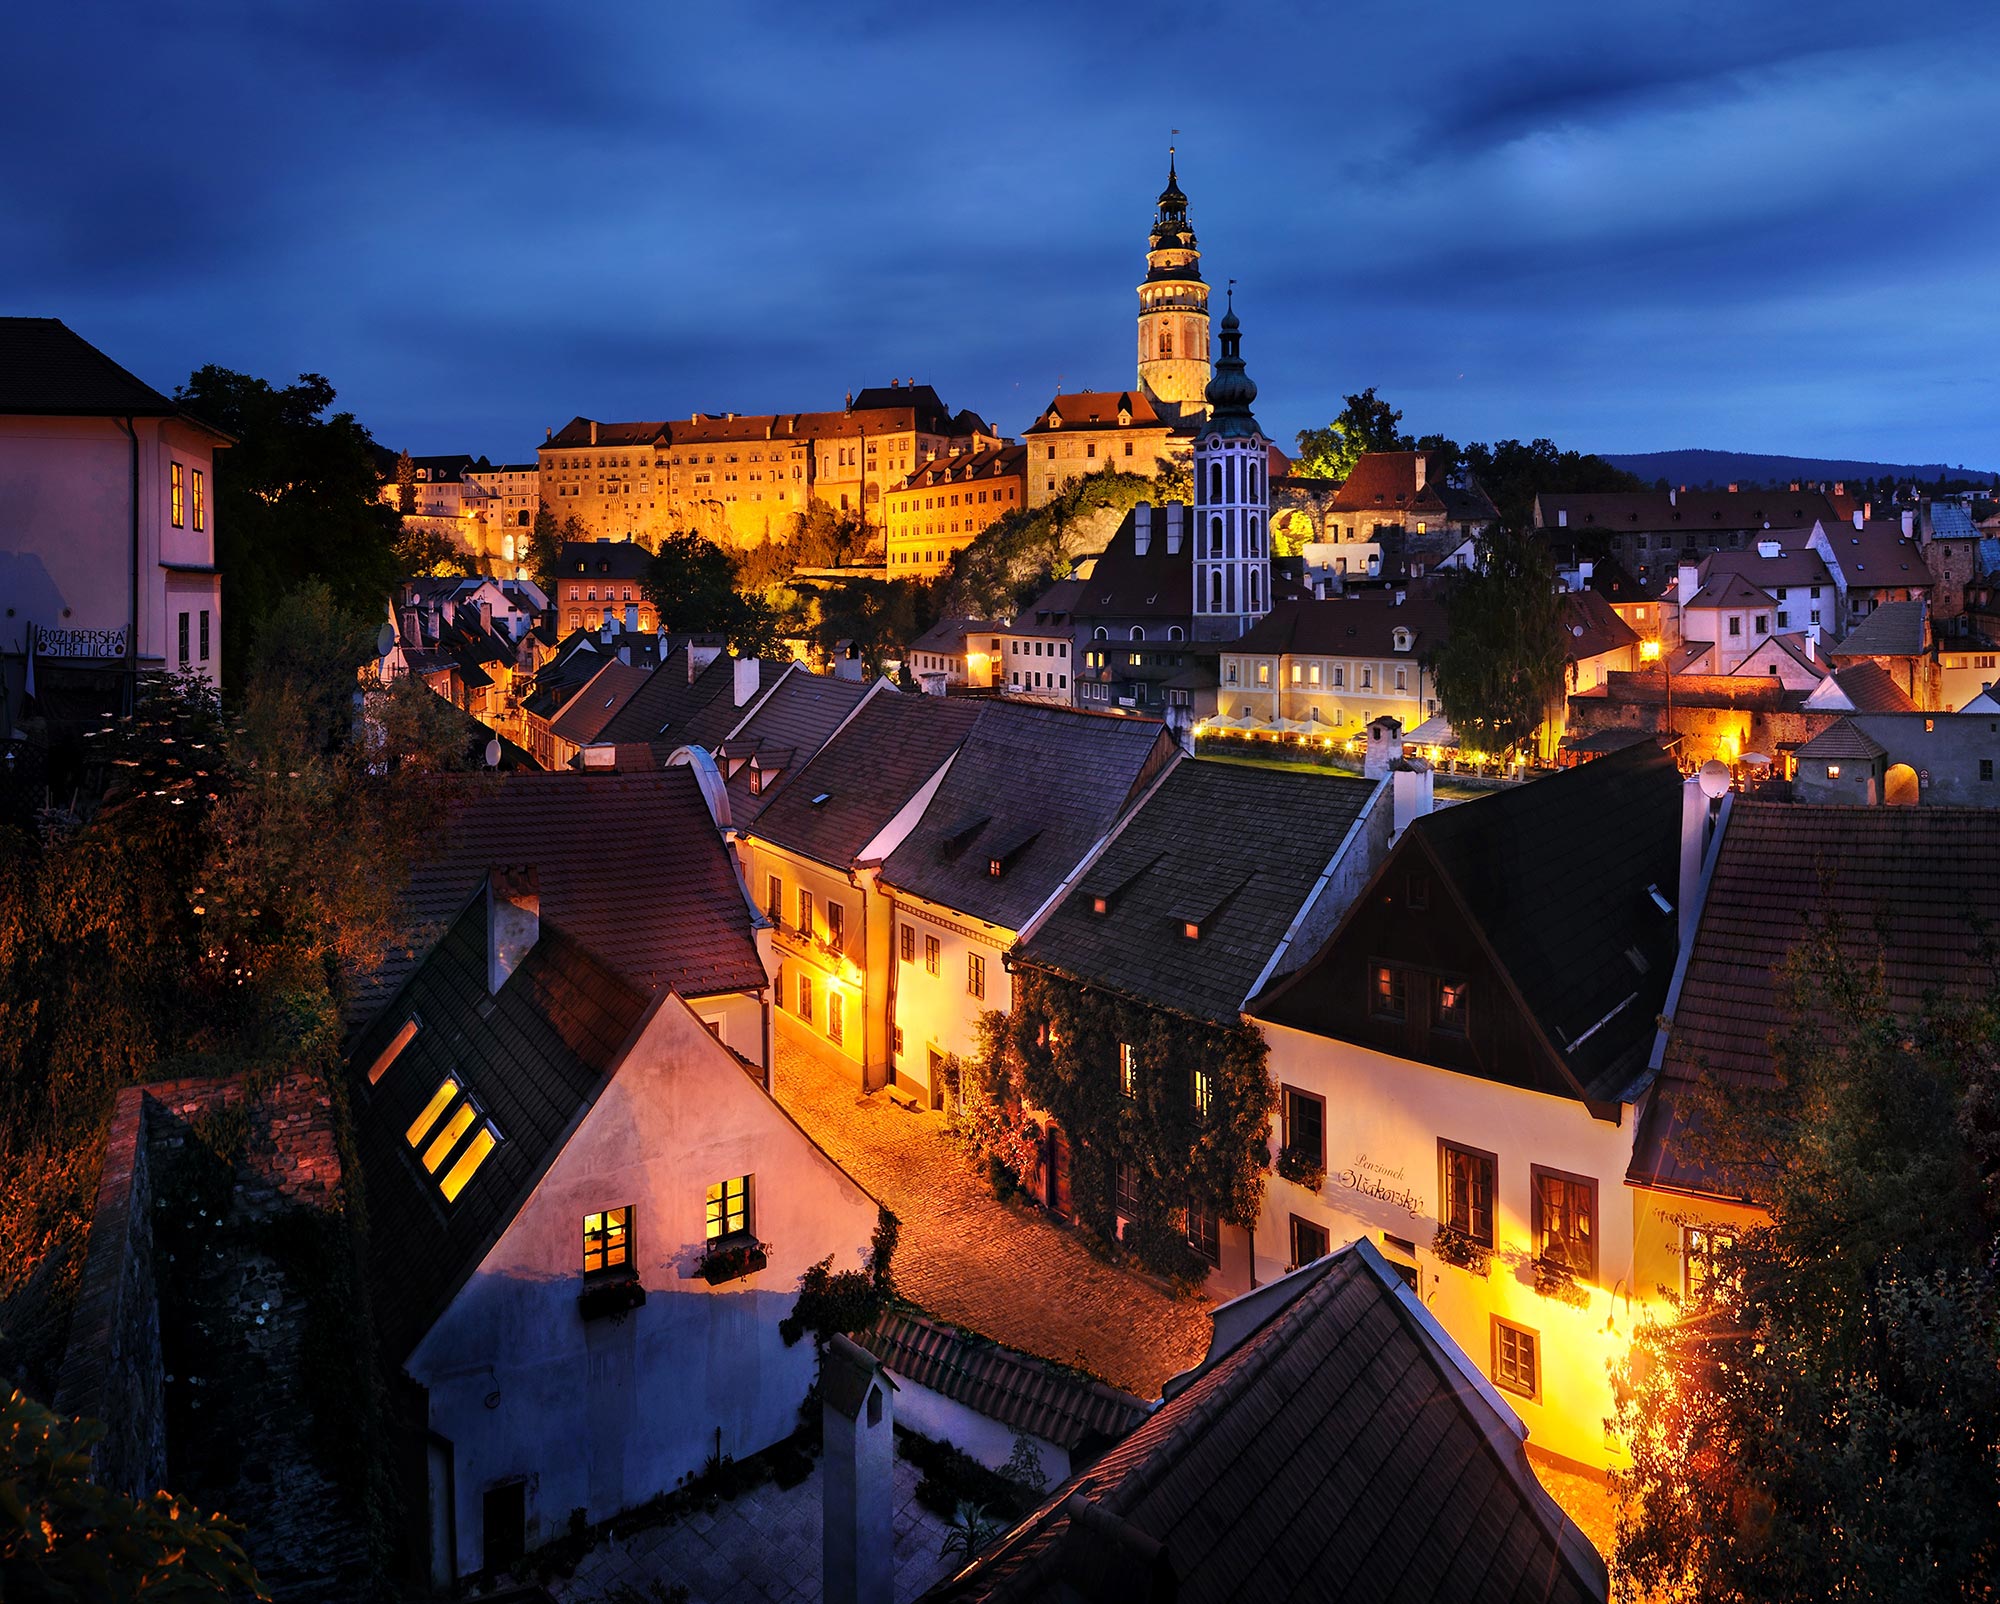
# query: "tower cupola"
(1173, 312)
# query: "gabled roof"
(1951, 520)
(1556, 878)
(1916, 890)
(1389, 482)
(1869, 689)
(1097, 409)
(533, 1058)
(592, 708)
(1728, 589)
(666, 910)
(674, 709)
(927, 413)
(1629, 511)
(1047, 782)
(782, 735)
(1878, 553)
(989, 462)
(1190, 836)
(1124, 584)
(861, 779)
(1894, 629)
(1792, 644)
(601, 559)
(576, 433)
(1021, 1393)
(947, 636)
(1360, 625)
(1794, 564)
(47, 369)
(1594, 628)
(1343, 1449)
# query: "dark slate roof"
(673, 709)
(1624, 511)
(1343, 1450)
(1123, 584)
(865, 774)
(1240, 845)
(630, 863)
(1593, 627)
(534, 1058)
(1871, 690)
(1361, 625)
(593, 707)
(1915, 889)
(1036, 785)
(602, 559)
(1554, 876)
(1842, 739)
(46, 368)
(928, 413)
(1878, 553)
(1023, 1394)
(1894, 629)
(783, 734)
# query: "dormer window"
(1191, 929)
(1101, 903)
(1402, 639)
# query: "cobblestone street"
(1007, 1271)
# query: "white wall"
(937, 1010)
(602, 1415)
(981, 1437)
(1384, 1118)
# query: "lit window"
(836, 926)
(1204, 1093)
(1516, 1358)
(177, 493)
(836, 1016)
(483, 1142)
(1386, 1000)
(1451, 1006)
(607, 1242)
(1128, 1070)
(931, 951)
(1466, 1186)
(729, 1208)
(200, 504)
(805, 997)
(441, 1099)
(389, 1054)
(1565, 1222)
(1705, 1270)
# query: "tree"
(423, 553)
(1503, 662)
(406, 484)
(65, 1538)
(1827, 1423)
(693, 583)
(296, 499)
(1513, 474)
(1366, 423)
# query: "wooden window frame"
(177, 494)
(1537, 1173)
(1292, 1234)
(1441, 1022)
(1446, 1148)
(612, 1233)
(805, 998)
(836, 1016)
(716, 1211)
(909, 943)
(933, 954)
(836, 925)
(1285, 1095)
(1689, 1230)
(1206, 1242)
(1533, 1390)
(805, 912)
(1399, 978)
(774, 906)
(975, 975)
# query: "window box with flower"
(1462, 1250)
(1301, 1168)
(731, 1259)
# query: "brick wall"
(112, 1370)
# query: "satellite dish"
(493, 753)
(385, 641)
(1714, 778)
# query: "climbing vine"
(1059, 1050)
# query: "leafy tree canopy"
(1826, 1423)
(1366, 423)
(1503, 662)
(296, 500)
(693, 582)
(1513, 474)
(1014, 558)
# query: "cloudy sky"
(1628, 227)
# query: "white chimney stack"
(1860, 516)
(1562, 517)
(513, 922)
(747, 675)
(1410, 793)
(1909, 522)
(1142, 528)
(858, 1542)
(1174, 511)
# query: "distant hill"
(1718, 468)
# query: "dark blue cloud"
(1625, 227)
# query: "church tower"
(1173, 313)
(1232, 501)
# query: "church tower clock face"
(1174, 364)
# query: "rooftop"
(781, 736)
(1097, 409)
(1629, 511)
(593, 707)
(1894, 629)
(49, 370)
(1361, 625)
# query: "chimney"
(1584, 569)
(1142, 528)
(593, 431)
(1422, 463)
(1385, 746)
(600, 757)
(548, 434)
(746, 672)
(1401, 597)
(1861, 514)
(632, 616)
(1562, 517)
(857, 1542)
(1769, 548)
(1697, 825)
(1687, 582)
(1175, 510)
(513, 921)
(1410, 795)
(1732, 490)
(1839, 488)
(1673, 497)
(1909, 522)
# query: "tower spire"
(1173, 308)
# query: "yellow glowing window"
(482, 1143)
(729, 1207)
(607, 1241)
(440, 1101)
(390, 1053)
(447, 1139)
(177, 482)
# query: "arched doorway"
(1899, 788)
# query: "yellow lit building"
(941, 507)
(1093, 430)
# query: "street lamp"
(1650, 652)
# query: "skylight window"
(465, 1116)
(389, 1054)
(822, 799)
(1659, 901)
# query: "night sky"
(1628, 227)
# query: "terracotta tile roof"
(576, 433)
(1386, 482)
(1172, 856)
(1023, 1394)
(533, 1058)
(601, 559)
(593, 707)
(946, 638)
(1878, 553)
(1871, 690)
(1894, 629)
(1036, 785)
(1843, 738)
(47, 369)
(1654, 511)
(989, 462)
(832, 808)
(1594, 628)
(1097, 409)
(1557, 876)
(1915, 889)
(1647, 688)
(630, 863)
(1344, 1449)
(1362, 625)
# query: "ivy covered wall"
(1060, 1050)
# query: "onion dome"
(1231, 391)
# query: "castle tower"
(1173, 313)
(1232, 501)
